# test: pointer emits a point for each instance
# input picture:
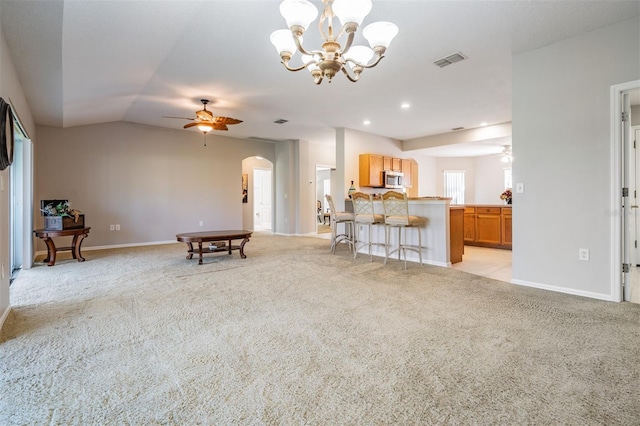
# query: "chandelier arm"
(349, 41)
(292, 68)
(345, 72)
(304, 51)
(378, 59)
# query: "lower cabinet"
(487, 226)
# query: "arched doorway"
(257, 194)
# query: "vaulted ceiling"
(85, 62)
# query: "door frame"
(616, 213)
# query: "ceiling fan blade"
(186, 126)
(220, 126)
(180, 118)
(227, 120)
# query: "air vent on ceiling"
(451, 59)
(281, 121)
(457, 128)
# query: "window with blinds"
(454, 185)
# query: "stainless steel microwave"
(391, 179)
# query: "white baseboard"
(589, 294)
(115, 246)
(4, 316)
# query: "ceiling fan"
(205, 121)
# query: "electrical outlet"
(112, 227)
(201, 223)
(519, 188)
(117, 227)
(583, 254)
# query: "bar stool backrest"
(396, 208)
(363, 207)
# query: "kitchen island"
(436, 234)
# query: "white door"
(262, 199)
(632, 280)
(630, 208)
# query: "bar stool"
(364, 215)
(396, 214)
(340, 217)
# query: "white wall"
(11, 91)
(154, 182)
(427, 175)
(466, 164)
(561, 106)
(489, 179)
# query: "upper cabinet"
(371, 167)
(406, 173)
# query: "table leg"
(190, 253)
(75, 247)
(200, 251)
(242, 255)
(229, 246)
(51, 252)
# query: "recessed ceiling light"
(405, 105)
(366, 122)
(457, 128)
(484, 123)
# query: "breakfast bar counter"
(436, 234)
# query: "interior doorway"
(626, 168)
(632, 279)
(323, 187)
(262, 199)
(21, 204)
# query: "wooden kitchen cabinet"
(387, 163)
(456, 239)
(469, 224)
(406, 173)
(487, 226)
(371, 167)
(506, 227)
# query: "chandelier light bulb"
(380, 34)
(298, 13)
(283, 41)
(351, 10)
(360, 54)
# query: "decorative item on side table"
(506, 196)
(59, 215)
(352, 189)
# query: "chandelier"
(333, 57)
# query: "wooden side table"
(78, 235)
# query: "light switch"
(520, 188)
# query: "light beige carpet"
(295, 335)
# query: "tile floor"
(487, 262)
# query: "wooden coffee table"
(212, 236)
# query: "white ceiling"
(85, 62)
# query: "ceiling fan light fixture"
(205, 127)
